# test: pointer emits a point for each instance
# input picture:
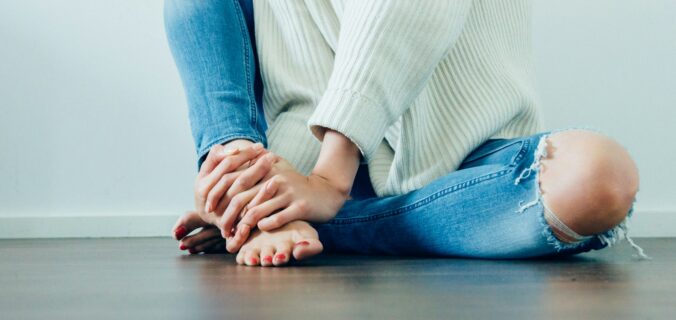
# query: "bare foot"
(274, 248)
(207, 240)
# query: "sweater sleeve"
(386, 52)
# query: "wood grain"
(149, 278)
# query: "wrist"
(340, 187)
(338, 161)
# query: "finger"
(219, 190)
(233, 161)
(205, 184)
(235, 243)
(234, 208)
(208, 218)
(263, 154)
(281, 218)
(252, 175)
(255, 176)
(214, 157)
(266, 193)
(201, 237)
(186, 223)
(268, 208)
(227, 165)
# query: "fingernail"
(257, 146)
(267, 259)
(182, 247)
(180, 232)
(302, 243)
(192, 251)
(280, 257)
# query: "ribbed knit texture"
(416, 85)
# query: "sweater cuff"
(353, 115)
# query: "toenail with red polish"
(181, 232)
(192, 251)
(183, 247)
(267, 259)
(302, 243)
(254, 261)
(280, 257)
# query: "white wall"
(93, 120)
(94, 137)
(611, 64)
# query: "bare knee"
(588, 180)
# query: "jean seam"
(525, 148)
(500, 148)
(422, 202)
(249, 83)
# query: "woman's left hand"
(286, 197)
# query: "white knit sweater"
(416, 85)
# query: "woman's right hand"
(228, 173)
(223, 165)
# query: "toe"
(187, 223)
(252, 257)
(240, 257)
(282, 255)
(210, 245)
(306, 248)
(266, 255)
(199, 238)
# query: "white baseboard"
(110, 226)
(645, 223)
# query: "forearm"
(338, 161)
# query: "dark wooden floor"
(150, 279)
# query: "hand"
(222, 167)
(232, 197)
(240, 197)
(286, 197)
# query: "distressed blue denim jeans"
(214, 50)
(491, 207)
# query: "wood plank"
(148, 278)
